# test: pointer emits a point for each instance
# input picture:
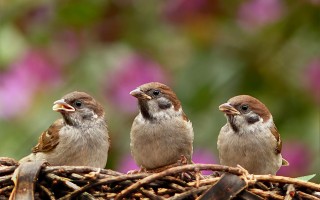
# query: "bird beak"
(228, 109)
(139, 94)
(61, 105)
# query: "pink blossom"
(127, 164)
(256, 13)
(204, 156)
(132, 72)
(18, 85)
(299, 156)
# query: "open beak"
(61, 105)
(228, 109)
(139, 94)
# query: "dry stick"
(3, 190)
(150, 195)
(266, 194)
(111, 195)
(5, 179)
(7, 169)
(190, 192)
(175, 170)
(164, 191)
(104, 181)
(8, 161)
(66, 181)
(307, 196)
(177, 187)
(262, 186)
(69, 184)
(47, 191)
(80, 169)
(288, 180)
(208, 181)
(175, 180)
(77, 176)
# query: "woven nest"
(36, 180)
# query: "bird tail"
(285, 162)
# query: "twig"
(190, 192)
(105, 181)
(288, 180)
(3, 190)
(5, 179)
(80, 169)
(47, 191)
(266, 194)
(64, 180)
(8, 162)
(77, 176)
(164, 191)
(176, 170)
(150, 195)
(204, 182)
(7, 169)
(306, 196)
(177, 187)
(90, 183)
(172, 179)
(70, 185)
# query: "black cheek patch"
(144, 109)
(164, 105)
(87, 116)
(252, 119)
(232, 123)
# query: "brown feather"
(276, 134)
(256, 106)
(167, 92)
(87, 99)
(49, 138)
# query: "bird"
(79, 138)
(161, 134)
(250, 137)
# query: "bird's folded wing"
(49, 138)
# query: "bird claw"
(183, 160)
(135, 171)
(93, 175)
(247, 177)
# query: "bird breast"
(162, 142)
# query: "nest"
(36, 180)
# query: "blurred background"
(206, 50)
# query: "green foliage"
(307, 178)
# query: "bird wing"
(49, 138)
(276, 134)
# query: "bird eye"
(244, 107)
(78, 103)
(156, 92)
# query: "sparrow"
(250, 138)
(79, 138)
(161, 134)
